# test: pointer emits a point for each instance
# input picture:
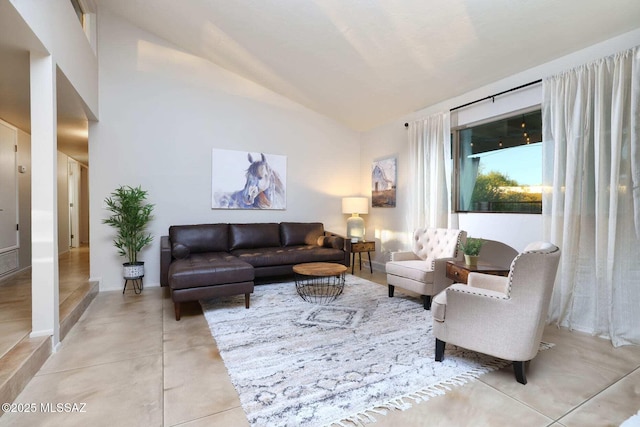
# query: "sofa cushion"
(289, 255)
(201, 238)
(417, 270)
(249, 236)
(300, 233)
(437, 242)
(208, 269)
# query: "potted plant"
(471, 250)
(130, 215)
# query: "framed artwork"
(248, 180)
(383, 183)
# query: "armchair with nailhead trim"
(423, 270)
(503, 317)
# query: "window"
(79, 11)
(499, 165)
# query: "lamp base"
(355, 227)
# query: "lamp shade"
(357, 205)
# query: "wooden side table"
(319, 282)
(458, 271)
(358, 248)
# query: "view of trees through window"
(500, 165)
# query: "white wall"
(55, 23)
(24, 201)
(163, 110)
(389, 225)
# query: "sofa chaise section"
(201, 268)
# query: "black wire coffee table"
(319, 282)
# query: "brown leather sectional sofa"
(211, 260)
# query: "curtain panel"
(591, 201)
(429, 172)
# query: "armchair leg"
(518, 368)
(426, 302)
(439, 350)
(391, 289)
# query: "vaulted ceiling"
(365, 62)
(361, 62)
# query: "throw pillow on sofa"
(180, 251)
(333, 242)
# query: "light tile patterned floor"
(134, 365)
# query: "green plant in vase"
(471, 250)
(130, 215)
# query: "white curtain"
(591, 203)
(429, 172)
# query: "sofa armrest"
(403, 256)
(340, 241)
(165, 260)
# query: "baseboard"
(13, 274)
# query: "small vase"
(471, 260)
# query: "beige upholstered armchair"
(423, 270)
(496, 253)
(500, 316)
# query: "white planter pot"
(133, 270)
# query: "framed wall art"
(383, 183)
(248, 180)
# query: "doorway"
(78, 184)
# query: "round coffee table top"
(320, 269)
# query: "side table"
(359, 248)
(458, 271)
(319, 282)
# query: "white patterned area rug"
(294, 363)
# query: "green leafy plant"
(472, 246)
(130, 215)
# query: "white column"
(45, 318)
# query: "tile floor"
(132, 364)
(20, 355)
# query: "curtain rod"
(492, 97)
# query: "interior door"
(74, 194)
(8, 188)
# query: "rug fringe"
(404, 402)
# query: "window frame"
(455, 153)
(79, 9)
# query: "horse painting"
(263, 188)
